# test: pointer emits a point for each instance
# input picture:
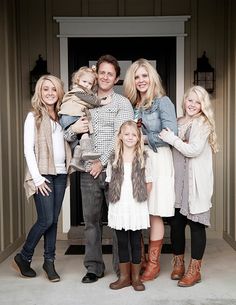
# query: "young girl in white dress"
(128, 174)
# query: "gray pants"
(93, 192)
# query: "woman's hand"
(167, 135)
(43, 188)
(96, 168)
(164, 132)
(81, 125)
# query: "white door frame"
(163, 26)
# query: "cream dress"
(162, 197)
(127, 213)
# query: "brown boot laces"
(177, 261)
(192, 270)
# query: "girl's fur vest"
(137, 177)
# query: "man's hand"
(81, 125)
(96, 168)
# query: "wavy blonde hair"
(119, 147)
(206, 112)
(84, 70)
(38, 105)
(155, 89)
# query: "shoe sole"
(120, 287)
(53, 281)
(93, 281)
(149, 279)
(182, 285)
(85, 158)
(17, 269)
(89, 282)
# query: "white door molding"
(163, 26)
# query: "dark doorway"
(82, 50)
(160, 49)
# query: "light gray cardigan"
(199, 152)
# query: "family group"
(131, 150)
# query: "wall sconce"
(204, 75)
(39, 70)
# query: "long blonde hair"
(206, 112)
(155, 89)
(38, 105)
(119, 147)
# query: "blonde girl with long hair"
(192, 154)
(47, 158)
(155, 111)
(128, 174)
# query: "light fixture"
(39, 70)
(204, 75)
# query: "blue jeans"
(48, 209)
(93, 192)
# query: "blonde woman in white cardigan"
(47, 157)
(192, 155)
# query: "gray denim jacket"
(160, 115)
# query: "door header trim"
(163, 26)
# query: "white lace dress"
(127, 213)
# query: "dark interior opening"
(83, 50)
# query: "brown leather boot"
(153, 265)
(178, 267)
(193, 275)
(124, 278)
(143, 257)
(135, 277)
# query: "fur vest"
(137, 177)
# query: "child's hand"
(106, 101)
(164, 132)
(167, 135)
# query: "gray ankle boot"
(50, 271)
(87, 150)
(76, 161)
(23, 266)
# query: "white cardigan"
(29, 152)
(199, 152)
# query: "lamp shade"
(39, 70)
(205, 74)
